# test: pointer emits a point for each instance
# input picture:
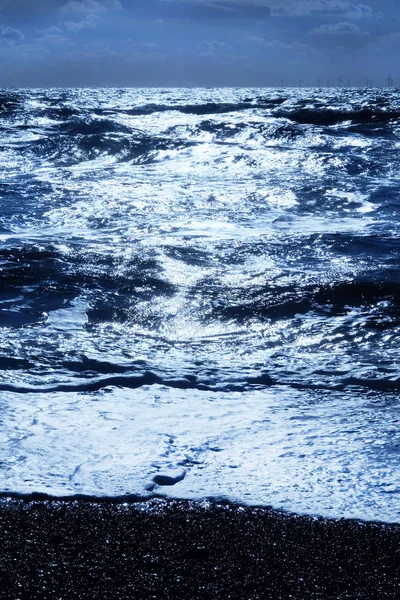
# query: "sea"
(200, 296)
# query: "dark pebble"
(168, 479)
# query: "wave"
(79, 141)
(334, 117)
(59, 113)
(227, 130)
(9, 104)
(86, 142)
(36, 279)
(94, 127)
(193, 382)
(285, 302)
(208, 108)
(8, 363)
(134, 381)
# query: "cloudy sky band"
(197, 42)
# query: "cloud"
(87, 12)
(77, 26)
(9, 34)
(213, 48)
(391, 40)
(304, 8)
(292, 8)
(94, 7)
(253, 39)
(145, 45)
(228, 5)
(299, 49)
(53, 30)
(91, 50)
(297, 8)
(338, 29)
(53, 39)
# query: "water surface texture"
(200, 296)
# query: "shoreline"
(162, 548)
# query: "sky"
(128, 43)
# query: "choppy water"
(202, 285)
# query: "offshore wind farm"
(341, 82)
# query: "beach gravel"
(70, 549)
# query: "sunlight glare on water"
(202, 283)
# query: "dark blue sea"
(200, 296)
